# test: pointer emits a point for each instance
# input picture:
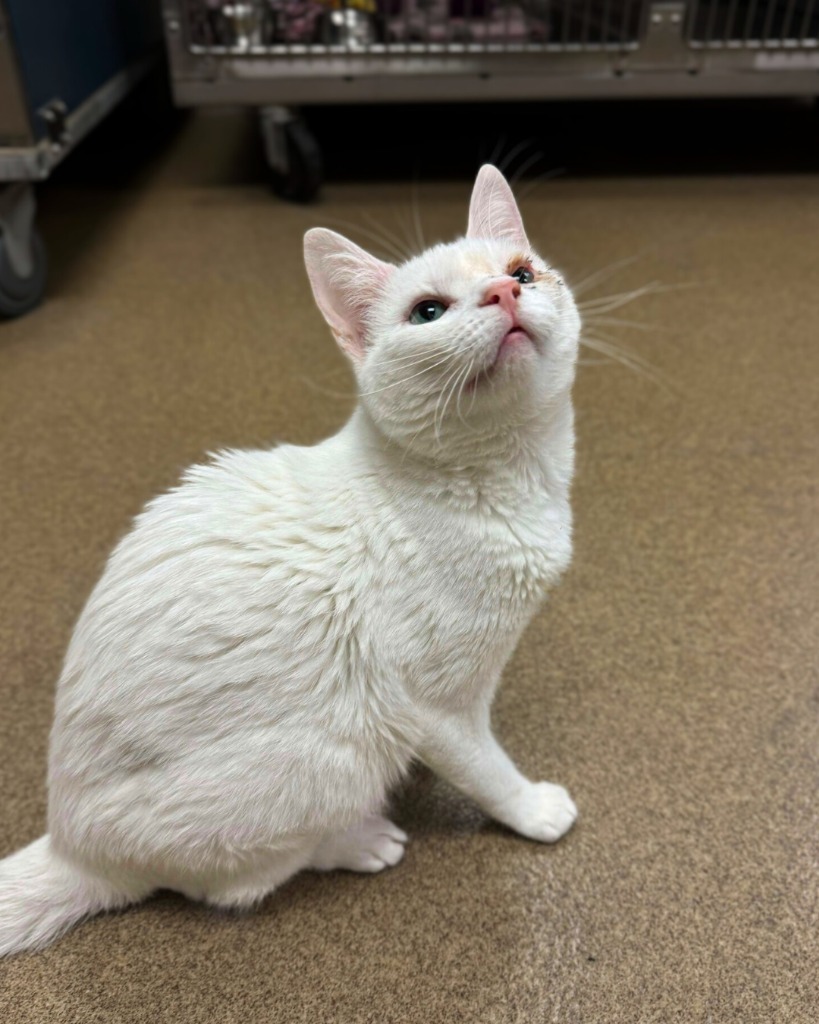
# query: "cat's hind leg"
(248, 888)
(371, 845)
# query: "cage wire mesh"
(439, 26)
(759, 23)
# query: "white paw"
(371, 845)
(546, 812)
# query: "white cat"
(277, 638)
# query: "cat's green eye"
(427, 311)
(524, 275)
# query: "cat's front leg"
(461, 748)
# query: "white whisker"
(554, 172)
(416, 359)
(627, 353)
(395, 240)
(510, 156)
(436, 423)
(314, 386)
(614, 321)
(600, 275)
(453, 390)
(466, 377)
(630, 360)
(416, 216)
(387, 247)
(431, 350)
(404, 380)
(524, 167)
(407, 233)
(608, 303)
(496, 152)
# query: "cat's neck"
(500, 468)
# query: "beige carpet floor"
(671, 682)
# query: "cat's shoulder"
(241, 465)
(263, 469)
(234, 481)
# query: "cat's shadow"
(425, 805)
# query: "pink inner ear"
(347, 282)
(363, 288)
(493, 212)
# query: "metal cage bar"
(349, 28)
(759, 24)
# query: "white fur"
(278, 637)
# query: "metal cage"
(775, 24)
(365, 27)
(277, 54)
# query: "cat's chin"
(515, 345)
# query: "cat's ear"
(346, 282)
(493, 212)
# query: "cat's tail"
(42, 895)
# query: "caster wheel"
(19, 294)
(301, 180)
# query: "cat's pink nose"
(504, 293)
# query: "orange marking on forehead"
(477, 263)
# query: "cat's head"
(467, 341)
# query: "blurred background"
(159, 165)
(374, 90)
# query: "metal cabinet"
(64, 64)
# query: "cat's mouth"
(515, 338)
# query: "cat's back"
(241, 507)
(244, 496)
(238, 550)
